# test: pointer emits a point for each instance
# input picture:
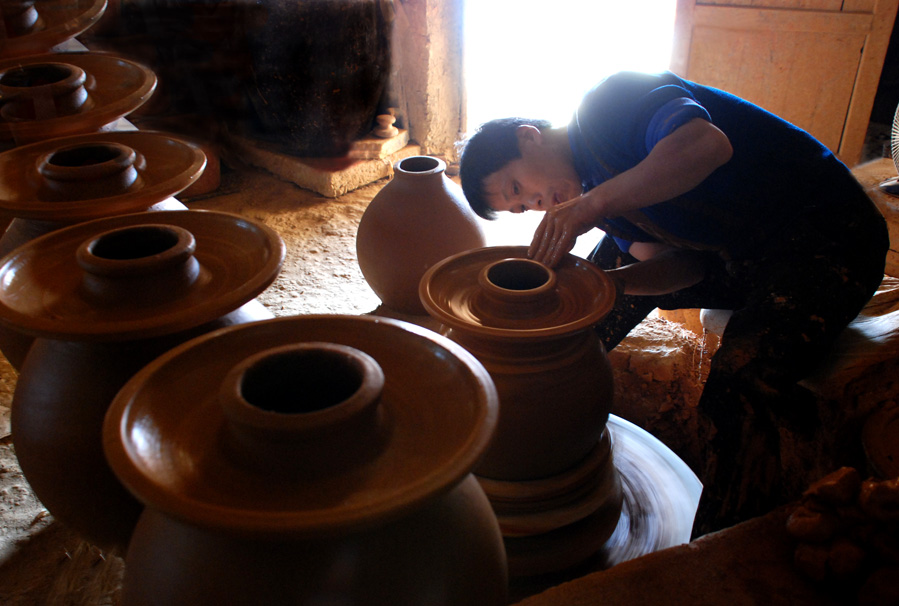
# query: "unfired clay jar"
(61, 94)
(419, 218)
(51, 184)
(309, 460)
(550, 465)
(35, 27)
(104, 298)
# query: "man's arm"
(663, 273)
(677, 164)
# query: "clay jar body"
(419, 218)
(104, 298)
(550, 463)
(309, 460)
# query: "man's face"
(539, 180)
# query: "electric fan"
(891, 186)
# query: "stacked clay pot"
(419, 218)
(103, 298)
(309, 460)
(31, 27)
(51, 184)
(61, 94)
(549, 471)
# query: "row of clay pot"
(243, 458)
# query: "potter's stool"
(860, 377)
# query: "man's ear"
(528, 134)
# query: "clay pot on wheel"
(104, 298)
(307, 460)
(550, 463)
(419, 218)
(51, 184)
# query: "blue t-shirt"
(776, 170)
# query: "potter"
(706, 201)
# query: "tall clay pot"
(104, 298)
(51, 184)
(419, 218)
(550, 465)
(309, 460)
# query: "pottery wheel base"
(661, 495)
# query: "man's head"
(516, 164)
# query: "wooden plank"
(820, 5)
(735, 18)
(858, 6)
(773, 69)
(867, 80)
(683, 37)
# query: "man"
(706, 201)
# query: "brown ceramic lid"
(43, 292)
(163, 166)
(115, 87)
(498, 292)
(58, 21)
(164, 432)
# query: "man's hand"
(559, 230)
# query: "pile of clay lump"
(848, 536)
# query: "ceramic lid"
(42, 284)
(571, 297)
(115, 85)
(166, 165)
(59, 20)
(164, 431)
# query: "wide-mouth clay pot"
(83, 282)
(83, 177)
(37, 26)
(61, 94)
(293, 447)
(170, 433)
(498, 293)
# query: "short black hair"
(489, 149)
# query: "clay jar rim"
(165, 165)
(515, 288)
(61, 81)
(246, 410)
(62, 20)
(114, 253)
(165, 432)
(42, 284)
(450, 292)
(419, 166)
(90, 170)
(116, 86)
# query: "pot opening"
(84, 155)
(518, 274)
(297, 382)
(134, 243)
(419, 164)
(30, 76)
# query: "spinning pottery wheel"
(571, 486)
(35, 27)
(60, 94)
